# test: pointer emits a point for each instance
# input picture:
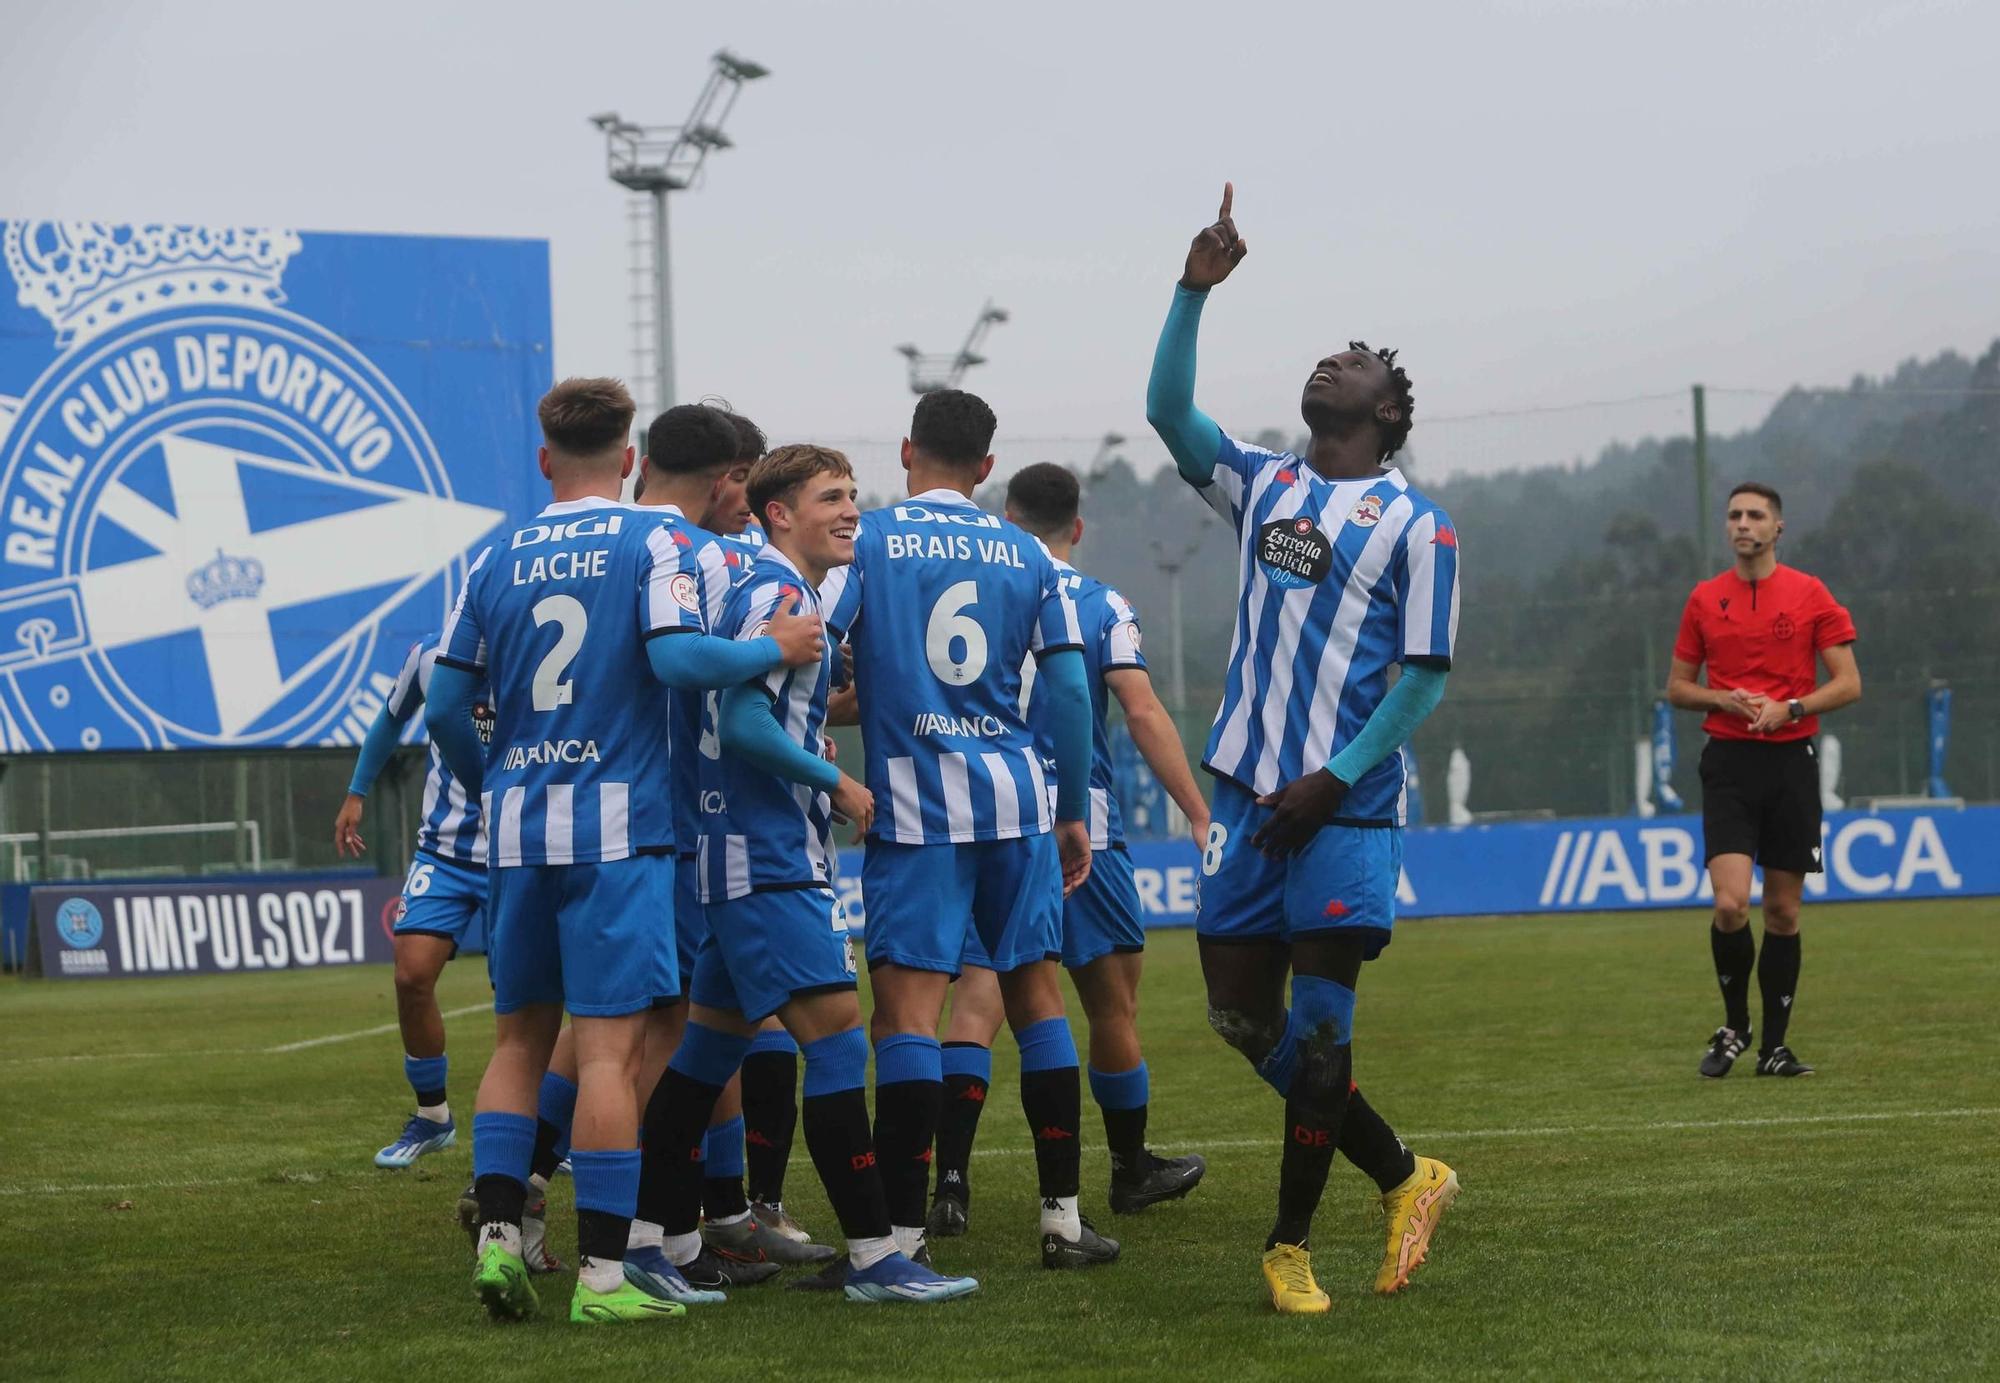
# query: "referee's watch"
(1798, 708)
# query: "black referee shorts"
(1762, 800)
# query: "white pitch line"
(365, 1032)
(1574, 1130)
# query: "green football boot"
(501, 1280)
(627, 1303)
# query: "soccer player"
(1346, 570)
(1761, 628)
(777, 940)
(1103, 938)
(943, 603)
(560, 618)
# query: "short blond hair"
(780, 473)
(585, 416)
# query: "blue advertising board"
(241, 467)
(1607, 864)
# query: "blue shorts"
(765, 949)
(586, 936)
(924, 901)
(1344, 880)
(1101, 917)
(441, 897)
(690, 918)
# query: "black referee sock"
(1735, 953)
(1778, 978)
(770, 1119)
(844, 1156)
(1313, 1116)
(1369, 1143)
(671, 1133)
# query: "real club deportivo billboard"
(241, 467)
(121, 931)
(1608, 864)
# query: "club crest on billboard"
(240, 470)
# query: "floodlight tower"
(930, 373)
(658, 160)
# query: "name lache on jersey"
(951, 546)
(565, 565)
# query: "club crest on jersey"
(1367, 513)
(1294, 552)
(209, 504)
(1783, 628)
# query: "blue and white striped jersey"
(704, 567)
(451, 825)
(1338, 580)
(943, 603)
(757, 830)
(1110, 628)
(556, 617)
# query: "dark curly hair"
(1394, 434)
(954, 426)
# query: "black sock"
(722, 1198)
(547, 1139)
(843, 1154)
(1125, 1135)
(770, 1117)
(958, 1125)
(602, 1235)
(1734, 954)
(906, 1115)
(1369, 1143)
(1053, 1102)
(501, 1199)
(671, 1133)
(1778, 978)
(1312, 1134)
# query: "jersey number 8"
(949, 627)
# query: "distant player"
(561, 618)
(777, 940)
(1103, 937)
(444, 892)
(943, 603)
(1346, 571)
(1760, 628)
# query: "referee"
(1760, 628)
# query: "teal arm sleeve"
(1191, 436)
(691, 662)
(747, 727)
(1413, 697)
(448, 716)
(1062, 681)
(375, 751)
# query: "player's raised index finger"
(1228, 196)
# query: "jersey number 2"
(948, 626)
(550, 691)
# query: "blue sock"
(1120, 1089)
(779, 1041)
(968, 1059)
(722, 1150)
(836, 1063)
(502, 1145)
(907, 1056)
(556, 1107)
(1046, 1046)
(607, 1181)
(426, 1075)
(1316, 1003)
(708, 1055)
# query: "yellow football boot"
(1289, 1270)
(1413, 1210)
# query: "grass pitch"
(184, 1172)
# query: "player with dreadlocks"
(1346, 571)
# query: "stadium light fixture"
(930, 373)
(657, 160)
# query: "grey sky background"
(1542, 202)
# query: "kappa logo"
(195, 478)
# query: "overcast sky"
(1541, 202)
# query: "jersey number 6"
(949, 625)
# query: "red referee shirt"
(1763, 636)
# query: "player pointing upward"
(1346, 570)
